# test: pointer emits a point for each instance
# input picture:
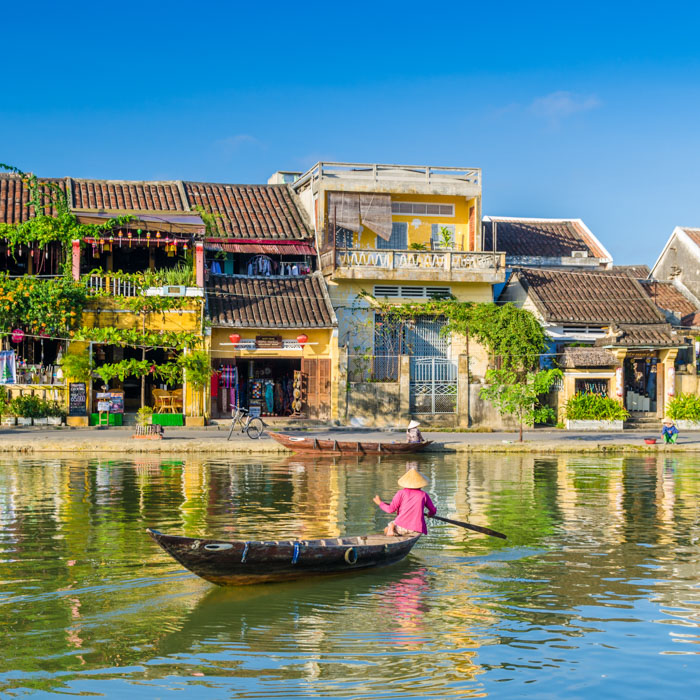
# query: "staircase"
(643, 421)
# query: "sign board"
(268, 341)
(77, 399)
(113, 400)
(116, 401)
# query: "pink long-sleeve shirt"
(410, 504)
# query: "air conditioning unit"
(579, 253)
(174, 290)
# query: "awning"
(166, 222)
(262, 247)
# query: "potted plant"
(8, 418)
(198, 373)
(587, 411)
(144, 425)
(26, 408)
(41, 412)
(56, 414)
(684, 409)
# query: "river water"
(595, 592)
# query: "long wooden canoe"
(347, 447)
(239, 563)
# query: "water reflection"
(599, 571)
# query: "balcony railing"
(376, 173)
(113, 286)
(419, 260)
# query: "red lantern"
(235, 338)
(302, 339)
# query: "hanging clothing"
(216, 267)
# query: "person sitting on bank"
(410, 503)
(669, 432)
(412, 432)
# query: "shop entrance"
(263, 385)
(641, 384)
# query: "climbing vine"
(133, 337)
(41, 306)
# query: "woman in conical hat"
(412, 432)
(410, 502)
(669, 432)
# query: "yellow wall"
(420, 226)
(319, 343)
(102, 312)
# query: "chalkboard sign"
(77, 399)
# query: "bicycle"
(252, 427)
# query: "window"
(394, 290)
(422, 209)
(437, 237)
(344, 238)
(398, 240)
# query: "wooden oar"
(469, 526)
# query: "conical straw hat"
(413, 479)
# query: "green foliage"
(170, 372)
(133, 337)
(588, 406)
(77, 367)
(29, 406)
(516, 394)
(198, 369)
(4, 402)
(144, 416)
(37, 305)
(684, 407)
(507, 332)
(53, 220)
(447, 240)
(181, 274)
(418, 246)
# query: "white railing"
(379, 172)
(113, 286)
(419, 260)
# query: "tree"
(516, 394)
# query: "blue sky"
(570, 109)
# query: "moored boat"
(299, 443)
(238, 563)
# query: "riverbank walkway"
(212, 441)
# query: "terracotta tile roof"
(692, 233)
(587, 357)
(269, 302)
(127, 194)
(250, 211)
(550, 238)
(14, 197)
(645, 335)
(666, 296)
(600, 297)
(640, 272)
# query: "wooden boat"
(240, 563)
(346, 447)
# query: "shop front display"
(265, 386)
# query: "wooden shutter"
(317, 398)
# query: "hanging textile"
(8, 367)
(351, 210)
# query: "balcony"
(115, 286)
(375, 177)
(414, 265)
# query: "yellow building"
(403, 234)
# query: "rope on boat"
(295, 556)
(245, 552)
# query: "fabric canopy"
(352, 210)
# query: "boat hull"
(240, 563)
(347, 447)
